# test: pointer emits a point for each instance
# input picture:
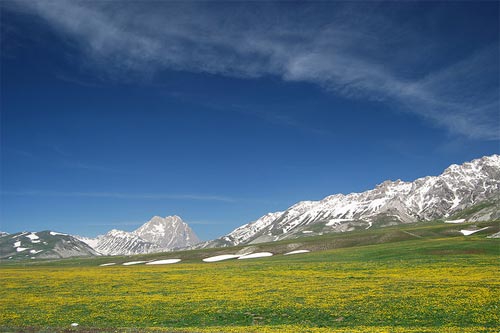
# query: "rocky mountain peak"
(167, 232)
(164, 220)
(157, 235)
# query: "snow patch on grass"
(455, 221)
(256, 255)
(296, 252)
(133, 263)
(108, 264)
(221, 257)
(470, 232)
(163, 262)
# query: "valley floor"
(431, 285)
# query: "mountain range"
(159, 234)
(470, 191)
(389, 203)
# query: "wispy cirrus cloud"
(120, 195)
(373, 57)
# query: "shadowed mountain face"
(157, 235)
(392, 202)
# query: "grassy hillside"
(418, 278)
(489, 208)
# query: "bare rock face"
(392, 202)
(157, 235)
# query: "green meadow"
(422, 278)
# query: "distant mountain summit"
(389, 203)
(167, 232)
(157, 235)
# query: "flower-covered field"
(449, 285)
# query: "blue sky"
(219, 112)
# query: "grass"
(437, 282)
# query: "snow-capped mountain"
(157, 235)
(42, 245)
(392, 202)
(118, 242)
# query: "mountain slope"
(42, 245)
(118, 242)
(488, 210)
(390, 203)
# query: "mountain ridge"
(388, 203)
(470, 190)
(157, 235)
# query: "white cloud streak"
(121, 195)
(342, 51)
